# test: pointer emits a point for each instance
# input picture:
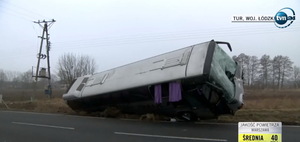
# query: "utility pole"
(42, 73)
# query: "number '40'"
(274, 137)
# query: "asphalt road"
(31, 127)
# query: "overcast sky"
(116, 32)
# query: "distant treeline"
(267, 72)
(69, 67)
(23, 80)
(264, 72)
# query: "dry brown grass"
(27, 94)
(269, 105)
(54, 105)
(272, 99)
(287, 116)
(37, 101)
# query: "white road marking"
(170, 137)
(43, 125)
(56, 114)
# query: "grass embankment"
(260, 105)
(268, 105)
(29, 100)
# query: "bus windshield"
(222, 72)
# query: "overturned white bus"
(199, 81)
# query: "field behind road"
(260, 105)
(269, 105)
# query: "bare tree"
(267, 72)
(3, 78)
(254, 64)
(265, 63)
(243, 60)
(26, 79)
(282, 68)
(11, 75)
(71, 66)
(247, 69)
(277, 70)
(250, 64)
(287, 69)
(296, 76)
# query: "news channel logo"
(284, 17)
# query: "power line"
(167, 35)
(15, 14)
(220, 31)
(108, 41)
(23, 11)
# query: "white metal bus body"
(209, 83)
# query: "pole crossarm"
(49, 23)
